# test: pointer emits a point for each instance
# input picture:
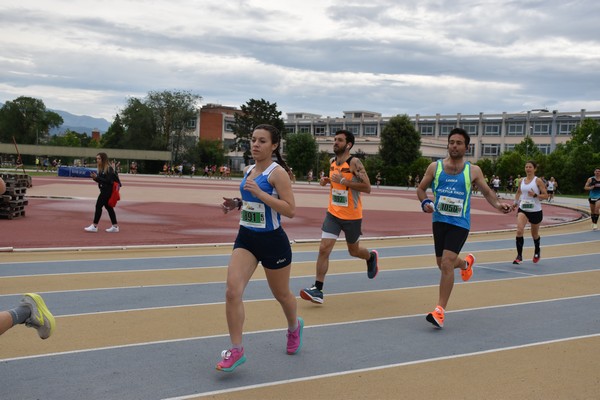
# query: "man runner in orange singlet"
(348, 178)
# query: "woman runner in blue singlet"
(266, 194)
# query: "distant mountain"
(79, 123)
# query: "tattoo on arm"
(360, 171)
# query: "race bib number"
(253, 215)
(450, 206)
(527, 204)
(339, 197)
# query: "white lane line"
(151, 343)
(363, 370)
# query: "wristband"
(424, 203)
(238, 202)
(535, 195)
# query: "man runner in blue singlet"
(451, 180)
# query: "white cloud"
(427, 57)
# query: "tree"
(207, 152)
(253, 113)
(115, 135)
(527, 148)
(27, 120)
(140, 127)
(487, 167)
(73, 139)
(161, 121)
(588, 132)
(510, 163)
(400, 142)
(301, 151)
(399, 148)
(173, 112)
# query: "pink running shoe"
(232, 358)
(294, 339)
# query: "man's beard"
(456, 156)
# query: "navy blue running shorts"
(271, 248)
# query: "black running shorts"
(534, 217)
(448, 237)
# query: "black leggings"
(103, 202)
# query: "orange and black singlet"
(344, 203)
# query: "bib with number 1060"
(450, 206)
(253, 215)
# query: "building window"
(509, 147)
(304, 129)
(544, 148)
(492, 130)
(490, 149)
(229, 126)
(540, 129)
(471, 129)
(288, 129)
(319, 130)
(515, 130)
(191, 124)
(445, 129)
(229, 144)
(334, 128)
(426, 130)
(370, 130)
(470, 150)
(353, 128)
(565, 128)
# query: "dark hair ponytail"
(275, 138)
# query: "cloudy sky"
(319, 56)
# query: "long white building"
(491, 134)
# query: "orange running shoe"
(436, 317)
(467, 273)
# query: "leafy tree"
(301, 152)
(418, 167)
(27, 120)
(510, 163)
(115, 135)
(399, 148)
(527, 148)
(400, 142)
(140, 126)
(588, 132)
(68, 139)
(555, 167)
(160, 122)
(487, 167)
(578, 167)
(172, 112)
(253, 113)
(324, 163)
(373, 165)
(207, 152)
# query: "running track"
(148, 323)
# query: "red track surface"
(167, 211)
